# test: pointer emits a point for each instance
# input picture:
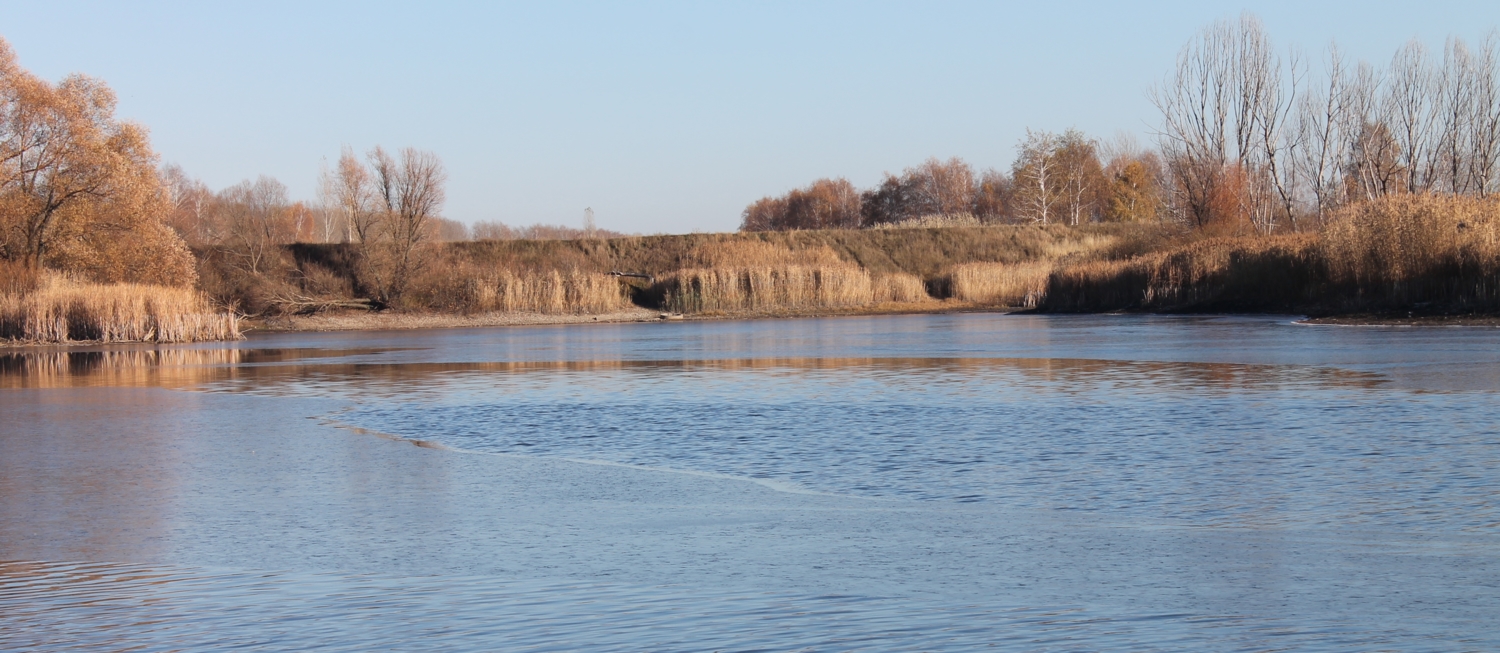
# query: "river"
(928, 482)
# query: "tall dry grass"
(553, 292)
(754, 275)
(1002, 284)
(696, 290)
(58, 309)
(467, 288)
(1253, 273)
(898, 288)
(1417, 249)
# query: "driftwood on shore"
(309, 305)
(635, 275)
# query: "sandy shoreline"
(394, 321)
(398, 321)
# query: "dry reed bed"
(468, 289)
(788, 287)
(553, 293)
(59, 310)
(1417, 249)
(1406, 252)
(1001, 284)
(1278, 273)
(754, 275)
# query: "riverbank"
(400, 321)
(1419, 259)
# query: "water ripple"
(119, 607)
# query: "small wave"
(359, 430)
(777, 485)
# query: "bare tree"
(1228, 111)
(1485, 144)
(1201, 111)
(887, 203)
(494, 230)
(191, 201)
(256, 219)
(823, 204)
(1325, 122)
(1278, 139)
(934, 188)
(1454, 118)
(940, 187)
(992, 197)
(1374, 167)
(450, 231)
(410, 193)
(1409, 114)
(348, 190)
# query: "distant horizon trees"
(1056, 178)
(1248, 142)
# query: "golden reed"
(1401, 252)
(56, 309)
(552, 292)
(793, 287)
(753, 275)
(1001, 284)
(468, 288)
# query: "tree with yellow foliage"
(79, 189)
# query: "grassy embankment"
(767, 273)
(48, 307)
(1408, 253)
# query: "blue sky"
(663, 117)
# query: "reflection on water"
(283, 371)
(138, 367)
(1300, 464)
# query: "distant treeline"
(1249, 142)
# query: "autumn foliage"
(79, 190)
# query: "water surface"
(882, 483)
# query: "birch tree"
(1038, 188)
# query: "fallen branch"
(636, 275)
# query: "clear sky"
(663, 117)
